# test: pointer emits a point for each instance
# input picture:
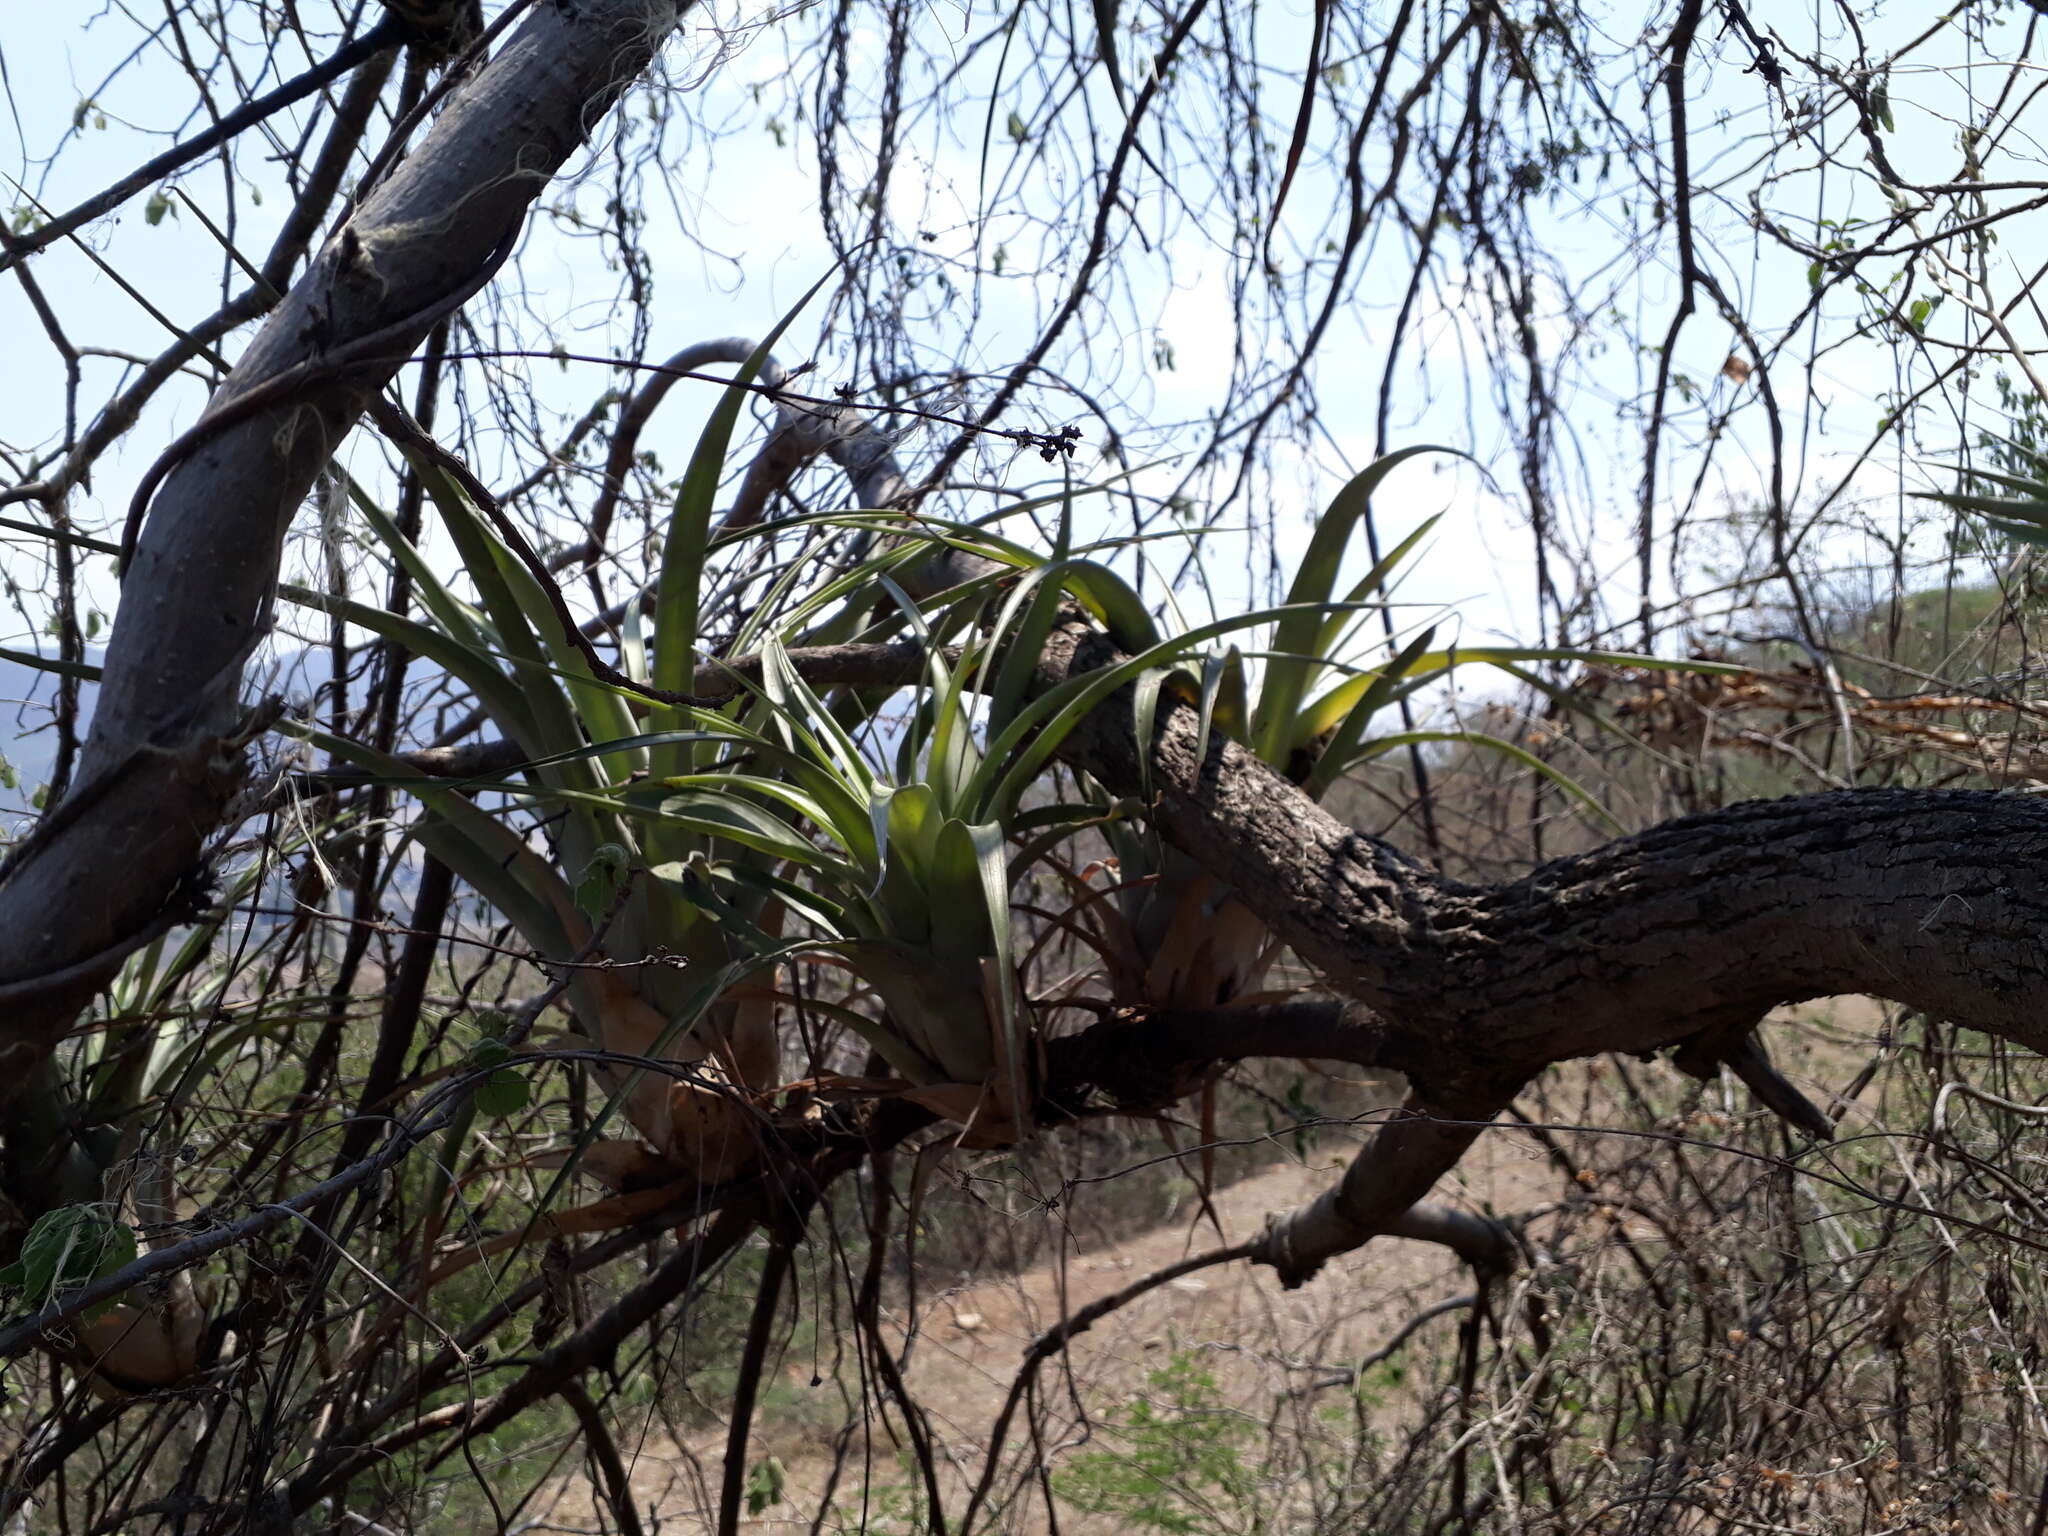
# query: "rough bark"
(1933, 898)
(163, 758)
(1698, 927)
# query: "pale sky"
(751, 196)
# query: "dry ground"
(1243, 1329)
(1234, 1322)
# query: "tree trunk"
(113, 863)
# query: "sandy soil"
(1257, 1341)
(1235, 1321)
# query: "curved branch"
(863, 450)
(1926, 897)
(162, 762)
(640, 409)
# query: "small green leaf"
(1018, 128)
(67, 1249)
(488, 1052)
(501, 1094)
(599, 881)
(765, 1484)
(154, 210)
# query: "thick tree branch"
(1145, 1061)
(1927, 897)
(1930, 898)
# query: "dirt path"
(1232, 1323)
(1261, 1346)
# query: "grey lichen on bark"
(196, 595)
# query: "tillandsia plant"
(630, 821)
(918, 897)
(694, 846)
(1177, 937)
(685, 834)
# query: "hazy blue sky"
(734, 238)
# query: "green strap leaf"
(679, 591)
(1287, 683)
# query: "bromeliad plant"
(684, 837)
(693, 852)
(1177, 938)
(611, 895)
